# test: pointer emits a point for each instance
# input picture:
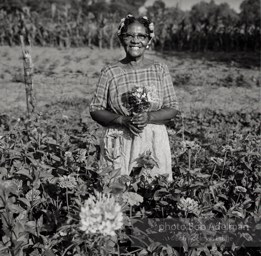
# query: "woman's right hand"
(126, 121)
(107, 118)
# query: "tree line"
(76, 23)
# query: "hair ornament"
(121, 25)
(129, 16)
(122, 22)
(151, 26)
(152, 34)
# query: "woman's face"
(135, 40)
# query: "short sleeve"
(169, 95)
(99, 100)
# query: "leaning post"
(28, 75)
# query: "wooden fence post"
(28, 74)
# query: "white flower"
(240, 189)
(65, 117)
(68, 154)
(122, 23)
(149, 96)
(33, 195)
(190, 145)
(62, 233)
(152, 34)
(139, 90)
(151, 26)
(67, 182)
(188, 205)
(7, 184)
(139, 101)
(81, 156)
(132, 198)
(121, 26)
(138, 95)
(18, 183)
(101, 214)
(34, 131)
(227, 148)
(217, 160)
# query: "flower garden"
(55, 199)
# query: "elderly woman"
(133, 100)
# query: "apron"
(121, 150)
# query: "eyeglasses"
(140, 37)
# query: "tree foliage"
(207, 26)
(250, 12)
(211, 13)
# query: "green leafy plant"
(49, 168)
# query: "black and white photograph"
(130, 128)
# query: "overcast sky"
(186, 4)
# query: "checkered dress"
(119, 148)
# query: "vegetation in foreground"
(49, 167)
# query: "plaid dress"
(118, 147)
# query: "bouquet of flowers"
(138, 100)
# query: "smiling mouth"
(135, 47)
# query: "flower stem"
(189, 155)
(183, 127)
(238, 198)
(67, 200)
(162, 212)
(118, 249)
(213, 172)
(225, 157)
(130, 211)
(68, 248)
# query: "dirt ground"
(218, 81)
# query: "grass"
(218, 81)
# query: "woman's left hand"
(140, 120)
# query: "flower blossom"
(81, 156)
(217, 160)
(188, 205)
(151, 26)
(138, 100)
(132, 198)
(227, 148)
(68, 154)
(18, 183)
(101, 214)
(67, 182)
(122, 22)
(33, 195)
(139, 89)
(190, 145)
(240, 189)
(7, 184)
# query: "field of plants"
(55, 199)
